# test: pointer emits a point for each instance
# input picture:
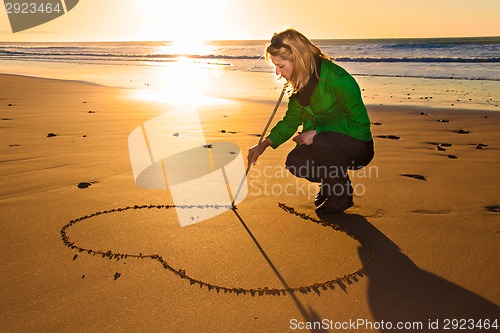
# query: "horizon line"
(258, 40)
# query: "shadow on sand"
(399, 291)
(310, 315)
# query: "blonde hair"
(293, 46)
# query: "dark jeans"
(328, 158)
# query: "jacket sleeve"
(288, 126)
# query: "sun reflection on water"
(182, 82)
(185, 79)
(185, 48)
(187, 73)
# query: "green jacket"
(335, 105)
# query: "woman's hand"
(305, 138)
(257, 150)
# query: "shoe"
(321, 197)
(335, 204)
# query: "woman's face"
(283, 67)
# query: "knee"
(295, 162)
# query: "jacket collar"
(304, 95)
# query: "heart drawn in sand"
(218, 280)
(25, 15)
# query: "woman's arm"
(257, 150)
(288, 126)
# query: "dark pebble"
(461, 131)
(51, 135)
(452, 156)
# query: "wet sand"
(85, 249)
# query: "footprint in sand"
(416, 176)
(461, 131)
(431, 212)
(392, 137)
(440, 145)
(480, 146)
(83, 185)
(493, 208)
(234, 132)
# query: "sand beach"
(85, 249)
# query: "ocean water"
(439, 72)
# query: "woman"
(326, 101)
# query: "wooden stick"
(260, 141)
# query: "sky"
(188, 20)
